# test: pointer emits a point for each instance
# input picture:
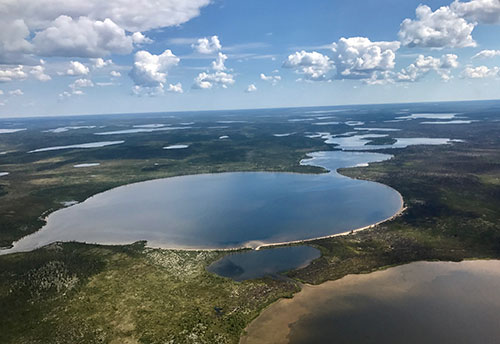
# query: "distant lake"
(226, 210)
(259, 263)
(424, 302)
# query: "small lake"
(439, 302)
(226, 210)
(246, 265)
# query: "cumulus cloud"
(77, 68)
(218, 64)
(12, 73)
(115, 74)
(439, 29)
(94, 22)
(68, 94)
(480, 72)
(251, 88)
(220, 76)
(38, 72)
(75, 88)
(81, 83)
(479, 11)
(149, 71)
(16, 92)
(139, 38)
(313, 65)
(140, 15)
(177, 88)
(359, 58)
(101, 63)
(207, 45)
(380, 78)
(82, 37)
(273, 79)
(485, 54)
(208, 80)
(13, 39)
(424, 64)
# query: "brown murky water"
(438, 302)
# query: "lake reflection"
(226, 210)
(416, 303)
(255, 264)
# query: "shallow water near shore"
(226, 210)
(423, 302)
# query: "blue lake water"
(226, 210)
(255, 264)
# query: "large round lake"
(226, 210)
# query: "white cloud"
(140, 15)
(207, 45)
(82, 37)
(380, 78)
(65, 95)
(409, 74)
(13, 39)
(101, 63)
(81, 83)
(77, 68)
(149, 71)
(177, 88)
(17, 92)
(115, 74)
(273, 79)
(480, 72)
(208, 80)
(38, 72)
(76, 88)
(424, 64)
(439, 29)
(89, 21)
(449, 61)
(485, 54)
(358, 57)
(221, 76)
(251, 88)
(313, 65)
(1, 92)
(139, 38)
(218, 64)
(12, 73)
(480, 11)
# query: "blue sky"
(76, 57)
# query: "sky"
(63, 57)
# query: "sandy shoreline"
(303, 241)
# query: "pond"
(259, 263)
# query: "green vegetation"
(80, 293)
(67, 293)
(378, 141)
(453, 213)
